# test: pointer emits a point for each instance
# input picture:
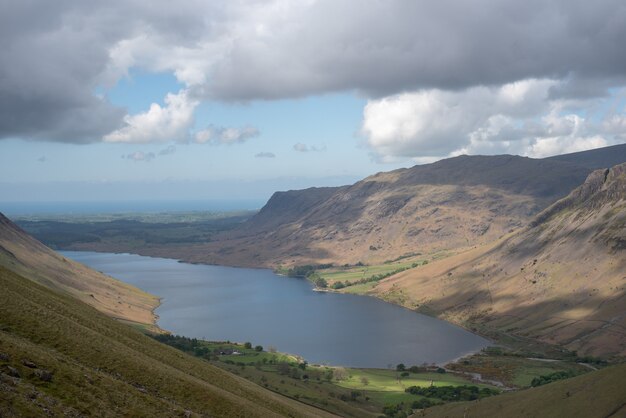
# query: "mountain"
(448, 205)
(559, 280)
(595, 158)
(61, 357)
(28, 257)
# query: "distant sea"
(147, 206)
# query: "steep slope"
(560, 280)
(25, 255)
(450, 204)
(599, 394)
(61, 357)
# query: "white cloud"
(160, 123)
(140, 156)
(220, 135)
(265, 155)
(300, 147)
(59, 53)
(519, 117)
(171, 149)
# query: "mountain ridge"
(558, 280)
(447, 205)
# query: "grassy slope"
(25, 255)
(597, 394)
(106, 368)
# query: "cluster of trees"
(452, 393)
(552, 377)
(189, 345)
(248, 346)
(198, 347)
(307, 270)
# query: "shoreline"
(313, 288)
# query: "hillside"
(61, 357)
(559, 280)
(28, 257)
(596, 158)
(450, 204)
(597, 394)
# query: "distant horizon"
(43, 208)
(170, 195)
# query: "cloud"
(159, 124)
(300, 147)
(521, 117)
(219, 135)
(140, 156)
(59, 53)
(265, 155)
(42, 159)
(168, 151)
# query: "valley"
(542, 277)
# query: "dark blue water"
(236, 304)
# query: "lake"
(238, 304)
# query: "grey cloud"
(300, 147)
(54, 55)
(140, 156)
(265, 155)
(168, 151)
(393, 46)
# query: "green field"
(515, 370)
(61, 357)
(129, 231)
(352, 274)
(380, 380)
(346, 391)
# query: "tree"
(365, 381)
(247, 345)
(258, 348)
(321, 282)
(401, 367)
(340, 373)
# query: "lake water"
(225, 303)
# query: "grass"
(345, 391)
(391, 381)
(597, 394)
(514, 370)
(103, 367)
(128, 231)
(353, 274)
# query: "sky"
(232, 100)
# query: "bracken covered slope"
(560, 280)
(599, 394)
(62, 357)
(451, 204)
(25, 255)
